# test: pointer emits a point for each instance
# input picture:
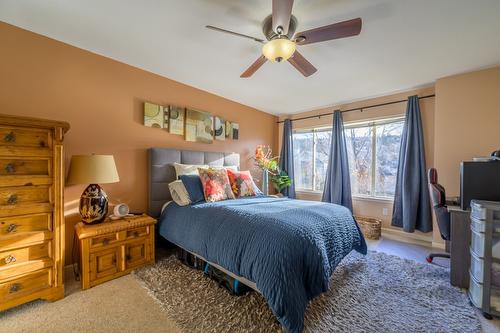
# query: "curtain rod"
(355, 109)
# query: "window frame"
(352, 124)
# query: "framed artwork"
(219, 128)
(199, 126)
(229, 131)
(235, 131)
(153, 115)
(176, 120)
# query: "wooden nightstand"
(114, 248)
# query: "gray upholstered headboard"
(162, 172)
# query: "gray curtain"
(286, 157)
(412, 208)
(337, 183)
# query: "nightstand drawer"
(137, 232)
(24, 260)
(25, 285)
(104, 263)
(105, 240)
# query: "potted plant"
(270, 168)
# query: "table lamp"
(93, 170)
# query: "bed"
(285, 249)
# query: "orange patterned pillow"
(216, 186)
(241, 183)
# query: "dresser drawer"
(19, 195)
(23, 225)
(25, 285)
(25, 137)
(25, 166)
(24, 260)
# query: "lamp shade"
(92, 169)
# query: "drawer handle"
(42, 144)
(136, 233)
(9, 137)
(105, 241)
(12, 199)
(10, 259)
(10, 168)
(11, 228)
(15, 287)
(128, 257)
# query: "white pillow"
(187, 169)
(230, 167)
(179, 193)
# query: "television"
(479, 180)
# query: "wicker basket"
(370, 227)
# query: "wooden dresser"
(114, 248)
(31, 210)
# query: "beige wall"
(467, 122)
(362, 206)
(102, 100)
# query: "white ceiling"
(403, 43)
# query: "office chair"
(438, 200)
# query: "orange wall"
(467, 122)
(102, 99)
(363, 206)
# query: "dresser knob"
(10, 259)
(10, 168)
(136, 234)
(42, 144)
(14, 287)
(12, 199)
(128, 257)
(9, 137)
(105, 241)
(11, 228)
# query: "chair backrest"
(438, 200)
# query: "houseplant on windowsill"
(270, 167)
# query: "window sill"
(371, 198)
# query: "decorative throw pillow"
(216, 186)
(179, 193)
(193, 187)
(241, 183)
(187, 169)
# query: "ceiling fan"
(282, 41)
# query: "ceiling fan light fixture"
(279, 49)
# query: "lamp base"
(93, 204)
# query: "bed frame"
(162, 172)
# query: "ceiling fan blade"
(282, 13)
(302, 65)
(254, 67)
(329, 32)
(234, 33)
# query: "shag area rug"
(373, 293)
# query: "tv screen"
(480, 181)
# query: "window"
(311, 149)
(373, 152)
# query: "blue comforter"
(289, 248)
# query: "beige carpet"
(118, 306)
(123, 305)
